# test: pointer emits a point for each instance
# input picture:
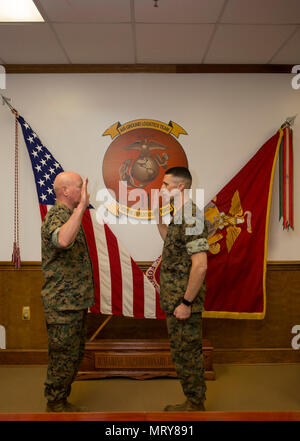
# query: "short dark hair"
(181, 172)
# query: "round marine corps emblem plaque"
(135, 162)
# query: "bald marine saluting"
(68, 289)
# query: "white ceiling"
(177, 32)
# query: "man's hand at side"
(182, 312)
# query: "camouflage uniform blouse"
(68, 276)
(176, 258)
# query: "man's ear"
(181, 186)
(65, 191)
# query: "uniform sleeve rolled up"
(197, 246)
(54, 239)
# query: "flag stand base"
(138, 359)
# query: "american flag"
(121, 287)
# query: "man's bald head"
(67, 188)
(65, 179)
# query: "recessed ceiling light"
(19, 10)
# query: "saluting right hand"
(85, 196)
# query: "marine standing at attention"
(182, 286)
(68, 289)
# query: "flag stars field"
(44, 165)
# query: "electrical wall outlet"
(26, 313)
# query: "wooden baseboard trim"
(153, 416)
(256, 356)
(23, 357)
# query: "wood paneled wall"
(233, 340)
(20, 288)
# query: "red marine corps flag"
(237, 220)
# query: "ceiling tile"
(247, 44)
(172, 43)
(30, 43)
(262, 12)
(290, 52)
(81, 11)
(97, 43)
(178, 11)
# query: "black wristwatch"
(186, 302)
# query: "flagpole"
(100, 327)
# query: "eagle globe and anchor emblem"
(145, 167)
(137, 158)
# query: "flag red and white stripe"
(121, 288)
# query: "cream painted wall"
(228, 117)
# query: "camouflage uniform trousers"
(66, 345)
(186, 348)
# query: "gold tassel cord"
(16, 256)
